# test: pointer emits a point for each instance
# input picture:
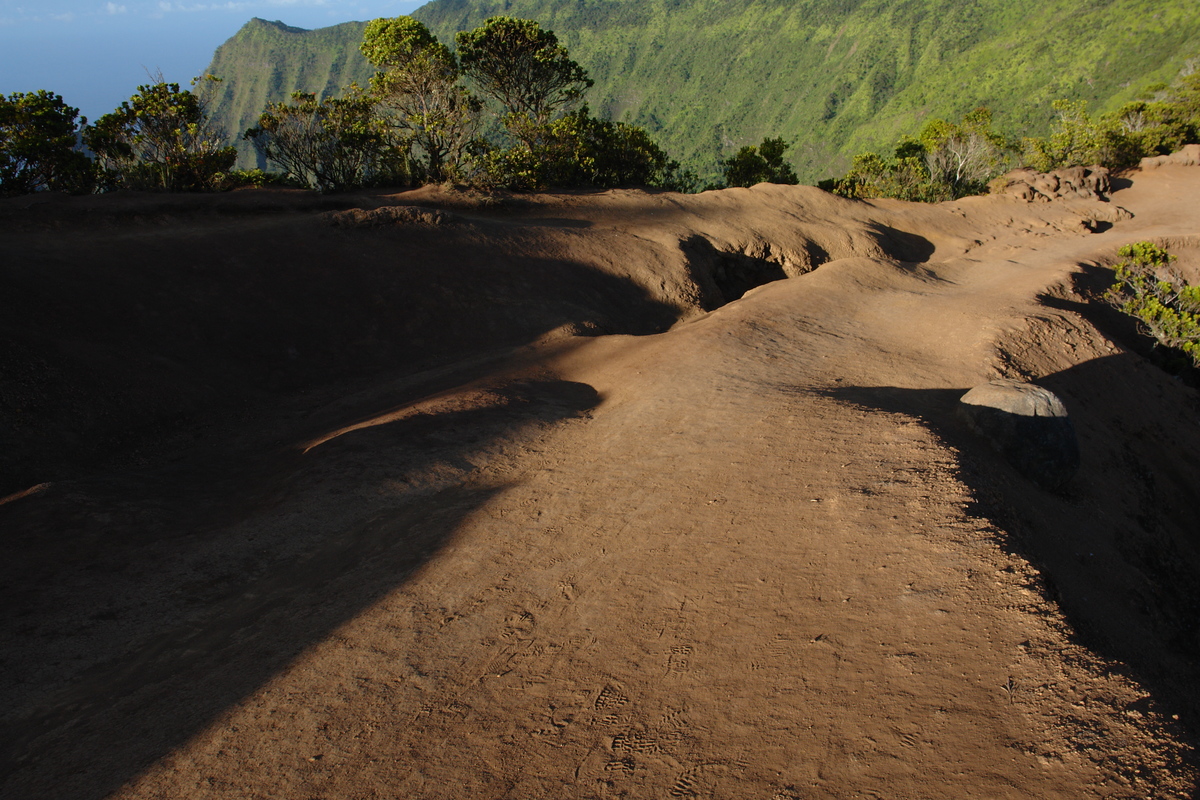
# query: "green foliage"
(903, 176)
(580, 150)
(329, 145)
(1150, 291)
(762, 164)
(949, 160)
(532, 79)
(38, 145)
(1074, 139)
(418, 87)
(159, 139)
(1159, 125)
(257, 178)
(394, 42)
(705, 77)
(963, 157)
(525, 69)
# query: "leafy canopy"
(417, 87)
(522, 66)
(38, 145)
(395, 42)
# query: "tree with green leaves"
(39, 145)
(761, 164)
(418, 86)
(525, 69)
(161, 138)
(329, 145)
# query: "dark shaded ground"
(1116, 548)
(184, 602)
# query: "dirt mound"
(613, 494)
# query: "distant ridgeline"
(705, 77)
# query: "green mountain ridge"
(835, 76)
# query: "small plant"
(1150, 291)
(238, 178)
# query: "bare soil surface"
(441, 495)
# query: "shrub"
(161, 138)
(1150, 291)
(948, 161)
(761, 164)
(329, 145)
(966, 155)
(257, 178)
(580, 150)
(1166, 119)
(903, 177)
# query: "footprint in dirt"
(680, 658)
(610, 697)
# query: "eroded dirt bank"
(427, 495)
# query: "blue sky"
(95, 53)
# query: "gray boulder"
(1028, 425)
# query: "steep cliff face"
(268, 61)
(835, 76)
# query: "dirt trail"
(754, 556)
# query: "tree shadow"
(115, 345)
(137, 609)
(1118, 548)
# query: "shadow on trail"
(1118, 549)
(902, 245)
(134, 614)
(115, 342)
(1091, 282)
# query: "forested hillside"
(836, 76)
(267, 61)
